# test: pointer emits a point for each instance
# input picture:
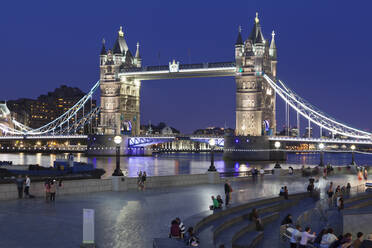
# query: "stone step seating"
(272, 231)
(228, 225)
(361, 203)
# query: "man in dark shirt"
(227, 193)
(19, 182)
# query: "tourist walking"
(139, 180)
(330, 194)
(19, 181)
(52, 190)
(228, 191)
(143, 180)
(47, 190)
(27, 186)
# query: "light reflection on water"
(182, 163)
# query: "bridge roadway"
(218, 69)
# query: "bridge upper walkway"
(215, 69)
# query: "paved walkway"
(123, 219)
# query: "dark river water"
(183, 163)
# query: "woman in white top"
(328, 239)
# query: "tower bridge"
(257, 90)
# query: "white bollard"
(88, 228)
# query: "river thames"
(183, 163)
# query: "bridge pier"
(251, 148)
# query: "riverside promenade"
(130, 218)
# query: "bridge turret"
(239, 50)
(103, 53)
(137, 58)
(273, 54)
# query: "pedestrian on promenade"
(358, 242)
(262, 172)
(306, 237)
(52, 190)
(348, 188)
(325, 173)
(365, 174)
(27, 186)
(330, 194)
(47, 190)
(143, 180)
(19, 181)
(228, 191)
(139, 180)
(285, 193)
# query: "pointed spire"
(239, 40)
(120, 32)
(137, 51)
(256, 35)
(103, 50)
(272, 50)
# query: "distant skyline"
(323, 52)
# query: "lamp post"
(352, 154)
(321, 147)
(277, 146)
(212, 143)
(117, 141)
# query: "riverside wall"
(9, 191)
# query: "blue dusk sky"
(324, 52)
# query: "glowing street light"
(212, 143)
(321, 148)
(277, 146)
(117, 141)
(353, 147)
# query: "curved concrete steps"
(230, 225)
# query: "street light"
(117, 141)
(352, 154)
(212, 143)
(321, 147)
(277, 146)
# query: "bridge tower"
(120, 96)
(255, 99)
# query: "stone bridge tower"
(255, 99)
(120, 97)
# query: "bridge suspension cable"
(313, 114)
(58, 126)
